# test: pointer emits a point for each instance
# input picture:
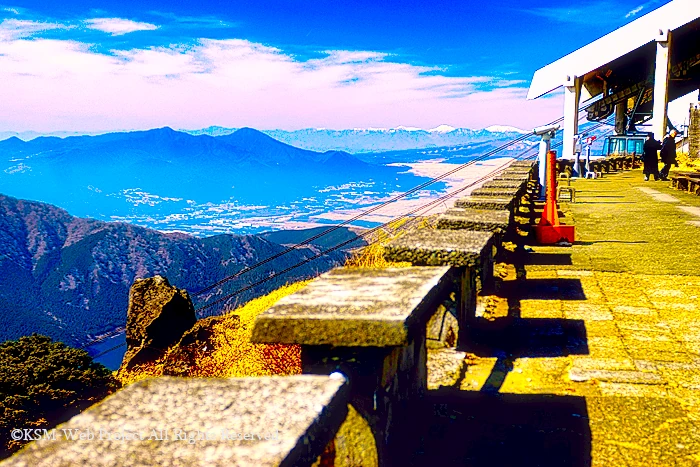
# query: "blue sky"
(108, 65)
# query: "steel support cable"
(368, 211)
(519, 157)
(441, 199)
(432, 203)
(364, 213)
(342, 244)
(358, 216)
(414, 211)
(109, 350)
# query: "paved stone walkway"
(593, 358)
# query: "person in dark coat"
(651, 159)
(668, 154)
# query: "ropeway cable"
(413, 190)
(370, 210)
(342, 244)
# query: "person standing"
(668, 154)
(651, 158)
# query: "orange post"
(549, 231)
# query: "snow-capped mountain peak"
(505, 129)
(442, 129)
(407, 128)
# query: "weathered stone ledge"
(440, 247)
(480, 202)
(168, 421)
(475, 219)
(498, 192)
(350, 307)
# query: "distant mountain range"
(357, 140)
(242, 181)
(361, 140)
(172, 180)
(69, 278)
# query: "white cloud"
(606, 13)
(51, 85)
(11, 29)
(578, 14)
(647, 5)
(118, 26)
(634, 12)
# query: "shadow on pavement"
(497, 430)
(549, 259)
(543, 289)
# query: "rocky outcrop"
(158, 316)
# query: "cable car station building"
(633, 73)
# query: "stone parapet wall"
(363, 336)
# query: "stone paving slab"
(694, 210)
(618, 376)
(639, 312)
(195, 422)
(349, 307)
(658, 196)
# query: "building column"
(694, 132)
(572, 98)
(621, 118)
(661, 79)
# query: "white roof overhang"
(650, 27)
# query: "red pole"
(550, 215)
(549, 231)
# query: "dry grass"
(228, 352)
(687, 164)
(372, 256)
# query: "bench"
(565, 166)
(686, 181)
(596, 168)
(516, 172)
(196, 422)
(694, 186)
(680, 182)
(469, 253)
(370, 325)
(569, 191)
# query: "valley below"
(82, 217)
